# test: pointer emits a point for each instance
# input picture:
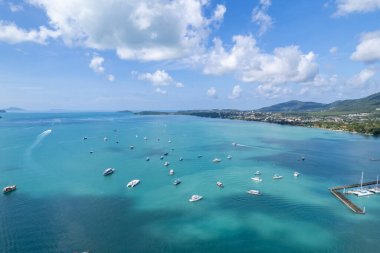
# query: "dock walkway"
(346, 201)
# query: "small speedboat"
(9, 188)
(177, 181)
(216, 160)
(195, 198)
(147, 159)
(254, 192)
(277, 176)
(229, 157)
(162, 157)
(145, 138)
(105, 139)
(257, 173)
(108, 171)
(220, 184)
(296, 173)
(256, 179)
(199, 156)
(171, 172)
(133, 183)
(169, 141)
(166, 154)
(91, 152)
(166, 163)
(85, 138)
(131, 147)
(181, 159)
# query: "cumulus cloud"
(362, 77)
(161, 91)
(261, 17)
(159, 77)
(236, 92)
(111, 78)
(333, 50)
(368, 49)
(179, 85)
(272, 90)
(15, 7)
(245, 58)
(345, 7)
(146, 30)
(11, 33)
(96, 64)
(211, 92)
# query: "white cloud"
(236, 92)
(96, 64)
(261, 17)
(211, 92)
(362, 77)
(11, 33)
(111, 78)
(245, 58)
(146, 30)
(159, 77)
(368, 50)
(15, 7)
(272, 90)
(345, 7)
(179, 85)
(333, 50)
(161, 91)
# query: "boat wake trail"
(37, 141)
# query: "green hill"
(294, 106)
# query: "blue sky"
(186, 54)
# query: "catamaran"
(377, 188)
(362, 192)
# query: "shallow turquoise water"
(64, 204)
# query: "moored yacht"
(229, 157)
(216, 160)
(171, 172)
(181, 159)
(256, 179)
(296, 173)
(131, 147)
(105, 139)
(220, 184)
(177, 181)
(133, 183)
(362, 192)
(257, 173)
(108, 171)
(254, 192)
(166, 163)
(195, 198)
(277, 176)
(9, 188)
(147, 158)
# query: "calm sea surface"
(63, 203)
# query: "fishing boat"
(108, 171)
(195, 198)
(254, 192)
(277, 176)
(133, 183)
(9, 188)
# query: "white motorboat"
(145, 138)
(199, 156)
(256, 179)
(257, 173)
(166, 163)
(147, 159)
(105, 139)
(177, 181)
(220, 184)
(296, 173)
(181, 159)
(195, 198)
(216, 160)
(162, 157)
(254, 192)
(375, 189)
(133, 183)
(229, 157)
(131, 147)
(108, 171)
(9, 188)
(171, 172)
(362, 192)
(277, 176)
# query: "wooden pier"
(346, 201)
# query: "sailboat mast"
(361, 182)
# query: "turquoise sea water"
(64, 204)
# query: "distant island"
(12, 109)
(355, 115)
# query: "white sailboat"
(377, 188)
(362, 192)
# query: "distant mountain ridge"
(13, 109)
(366, 104)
